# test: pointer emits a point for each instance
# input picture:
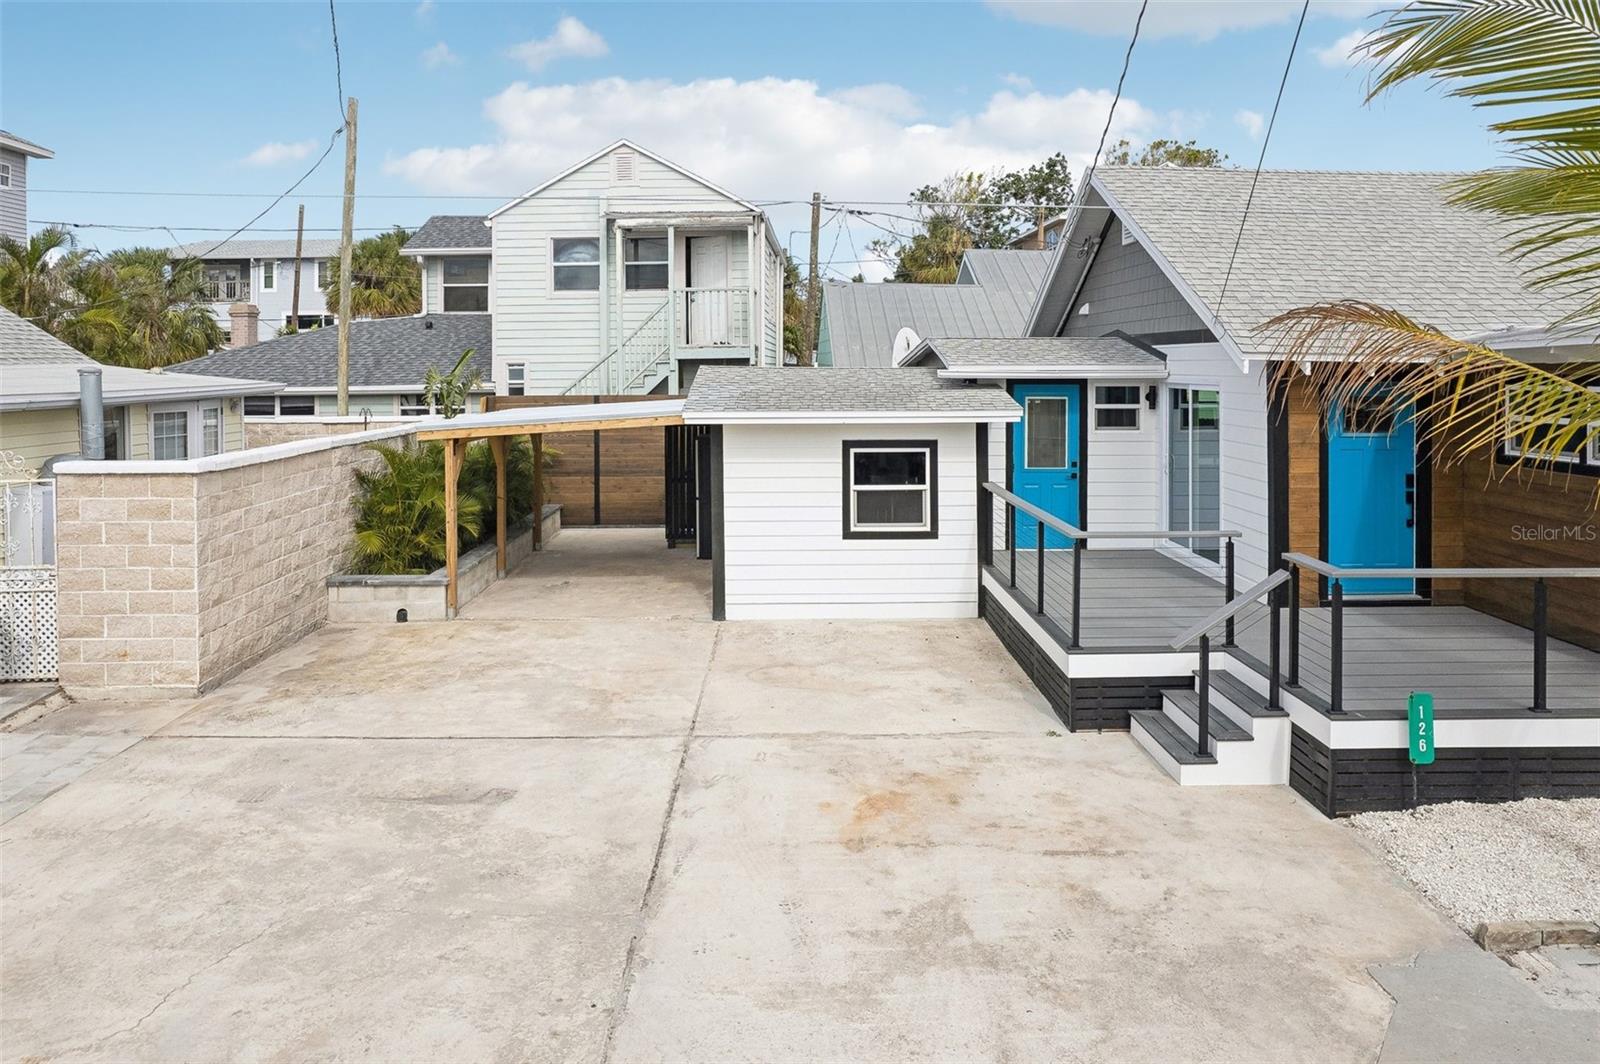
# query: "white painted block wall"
(786, 556)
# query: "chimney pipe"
(91, 415)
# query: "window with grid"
(169, 434)
(644, 263)
(575, 264)
(516, 378)
(890, 489)
(210, 430)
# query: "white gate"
(27, 580)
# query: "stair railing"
(1224, 615)
(649, 335)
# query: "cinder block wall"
(268, 433)
(171, 582)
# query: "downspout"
(605, 284)
(91, 415)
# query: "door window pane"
(169, 434)
(1194, 471)
(1046, 433)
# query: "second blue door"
(1372, 495)
(1044, 458)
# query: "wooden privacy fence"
(601, 478)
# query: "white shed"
(844, 492)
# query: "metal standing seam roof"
(842, 394)
(863, 319)
(1315, 236)
(384, 353)
(449, 232)
(255, 249)
(24, 343)
(1063, 354)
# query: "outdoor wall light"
(1152, 397)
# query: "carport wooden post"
(497, 446)
(452, 469)
(538, 493)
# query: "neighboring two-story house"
(14, 155)
(620, 275)
(261, 273)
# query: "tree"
(383, 282)
(1162, 153)
(32, 275)
(1538, 56)
(448, 392)
(1044, 189)
(794, 306)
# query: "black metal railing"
(1226, 615)
(1338, 577)
(1078, 539)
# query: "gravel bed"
(1537, 859)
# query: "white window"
(516, 378)
(5, 175)
(644, 263)
(466, 285)
(269, 275)
(210, 430)
(1525, 429)
(891, 489)
(169, 434)
(1116, 406)
(575, 264)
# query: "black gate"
(682, 472)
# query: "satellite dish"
(905, 342)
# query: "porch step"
(1218, 725)
(1241, 695)
(1176, 747)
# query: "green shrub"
(477, 479)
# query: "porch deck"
(1474, 664)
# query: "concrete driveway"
(583, 822)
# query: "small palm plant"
(400, 512)
(448, 392)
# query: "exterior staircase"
(1249, 741)
(637, 366)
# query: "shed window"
(644, 263)
(891, 489)
(576, 264)
(1116, 406)
(466, 285)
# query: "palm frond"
(1466, 396)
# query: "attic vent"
(1127, 235)
(622, 167)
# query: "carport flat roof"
(584, 417)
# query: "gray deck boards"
(1474, 664)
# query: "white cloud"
(770, 138)
(438, 56)
(571, 37)
(424, 9)
(1199, 19)
(1017, 81)
(1341, 53)
(276, 152)
(1252, 121)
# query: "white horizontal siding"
(785, 554)
(1124, 471)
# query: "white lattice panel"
(28, 623)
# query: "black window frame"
(847, 488)
(1586, 463)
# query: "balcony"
(227, 289)
(711, 318)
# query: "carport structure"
(499, 425)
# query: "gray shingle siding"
(1127, 291)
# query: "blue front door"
(1372, 494)
(1044, 458)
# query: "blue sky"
(862, 101)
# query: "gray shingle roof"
(723, 391)
(863, 319)
(1045, 352)
(450, 231)
(23, 343)
(387, 352)
(255, 249)
(1316, 236)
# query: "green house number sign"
(1420, 714)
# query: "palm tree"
(1541, 57)
(448, 392)
(383, 282)
(32, 284)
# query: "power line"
(1127, 61)
(338, 65)
(132, 228)
(280, 198)
(1261, 159)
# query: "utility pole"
(299, 243)
(813, 297)
(345, 230)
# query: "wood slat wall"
(1305, 479)
(632, 466)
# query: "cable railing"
(1079, 539)
(1227, 615)
(1338, 649)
